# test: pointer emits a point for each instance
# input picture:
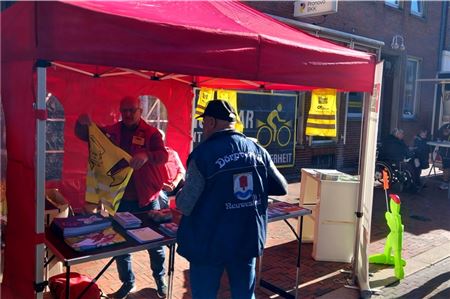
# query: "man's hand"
(168, 187)
(84, 119)
(87, 209)
(138, 160)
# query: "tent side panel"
(17, 93)
(100, 98)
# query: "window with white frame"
(417, 8)
(154, 112)
(410, 98)
(355, 104)
(54, 148)
(393, 3)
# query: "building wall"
(376, 20)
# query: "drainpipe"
(442, 33)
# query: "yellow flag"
(231, 97)
(207, 94)
(108, 171)
(322, 114)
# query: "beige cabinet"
(332, 195)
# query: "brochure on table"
(332, 175)
(80, 225)
(95, 240)
(88, 232)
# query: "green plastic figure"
(393, 240)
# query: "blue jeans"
(163, 199)
(205, 279)
(157, 255)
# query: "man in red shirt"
(145, 145)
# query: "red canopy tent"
(173, 44)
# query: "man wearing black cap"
(224, 205)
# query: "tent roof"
(221, 39)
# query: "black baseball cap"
(219, 109)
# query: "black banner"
(270, 118)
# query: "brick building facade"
(408, 36)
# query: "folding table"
(296, 212)
(70, 257)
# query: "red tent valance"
(224, 39)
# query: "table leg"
(67, 282)
(48, 260)
(275, 289)
(171, 269)
(96, 277)
(448, 194)
(299, 252)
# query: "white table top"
(439, 143)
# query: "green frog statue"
(393, 248)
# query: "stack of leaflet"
(273, 212)
(144, 234)
(281, 208)
(79, 225)
(127, 220)
(95, 240)
(169, 229)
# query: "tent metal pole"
(434, 110)
(73, 69)
(371, 106)
(441, 107)
(40, 172)
(194, 121)
(359, 207)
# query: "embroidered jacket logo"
(243, 185)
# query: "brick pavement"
(425, 217)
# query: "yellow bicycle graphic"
(269, 132)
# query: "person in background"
(395, 151)
(393, 148)
(145, 144)
(421, 150)
(224, 205)
(443, 130)
(444, 135)
(175, 175)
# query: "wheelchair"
(400, 177)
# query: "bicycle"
(266, 136)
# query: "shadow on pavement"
(429, 287)
(316, 278)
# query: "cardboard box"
(57, 206)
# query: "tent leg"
(362, 154)
(371, 104)
(40, 106)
